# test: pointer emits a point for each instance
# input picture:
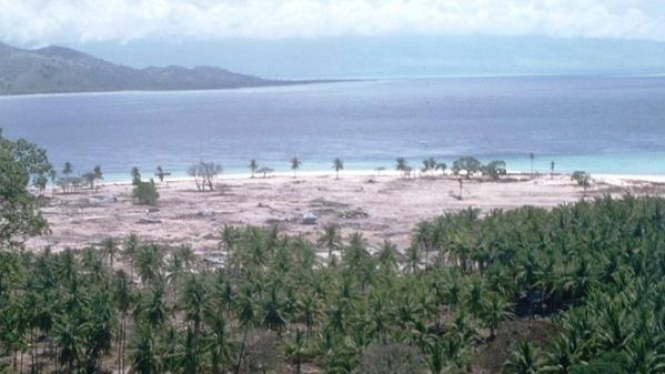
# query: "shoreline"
(610, 178)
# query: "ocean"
(601, 124)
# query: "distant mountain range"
(60, 70)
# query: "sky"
(75, 21)
(352, 38)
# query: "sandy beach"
(381, 206)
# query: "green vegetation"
(20, 163)
(594, 268)
(469, 165)
(582, 178)
(494, 169)
(593, 271)
(145, 193)
(92, 176)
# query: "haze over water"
(598, 124)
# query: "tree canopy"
(21, 163)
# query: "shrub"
(145, 193)
(582, 178)
(495, 169)
(468, 164)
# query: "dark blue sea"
(599, 124)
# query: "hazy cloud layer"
(51, 21)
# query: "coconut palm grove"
(579, 288)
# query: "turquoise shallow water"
(613, 125)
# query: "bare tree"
(204, 174)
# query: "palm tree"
(308, 310)
(130, 250)
(525, 360)
(387, 257)
(330, 239)
(97, 172)
(136, 175)
(253, 166)
(145, 358)
(436, 359)
(562, 357)
(295, 165)
(532, 157)
(338, 165)
(160, 173)
(274, 311)
(295, 349)
(401, 165)
(67, 170)
(493, 312)
(195, 299)
(219, 344)
(429, 164)
(123, 298)
(149, 262)
(247, 317)
(69, 337)
(111, 248)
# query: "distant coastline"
(58, 70)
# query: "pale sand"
(393, 206)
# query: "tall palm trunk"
(242, 349)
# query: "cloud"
(52, 21)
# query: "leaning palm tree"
(295, 165)
(338, 165)
(253, 166)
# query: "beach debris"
(205, 212)
(309, 219)
(105, 199)
(216, 259)
(152, 210)
(320, 202)
(354, 214)
(149, 221)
